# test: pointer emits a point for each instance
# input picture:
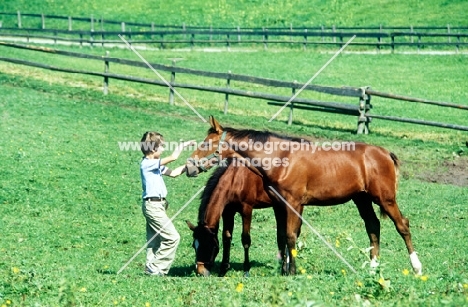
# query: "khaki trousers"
(161, 236)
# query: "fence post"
(290, 31)
(412, 31)
(92, 22)
(69, 23)
(192, 41)
(106, 71)
(419, 42)
(238, 35)
(211, 35)
(43, 21)
(305, 39)
(265, 38)
(122, 26)
(334, 30)
(226, 98)
(379, 39)
(130, 37)
(392, 37)
(102, 32)
(291, 106)
(19, 19)
(152, 30)
(228, 43)
(364, 108)
(171, 91)
(448, 32)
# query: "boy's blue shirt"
(152, 181)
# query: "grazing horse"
(304, 174)
(229, 190)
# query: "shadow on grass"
(189, 271)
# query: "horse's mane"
(210, 186)
(256, 136)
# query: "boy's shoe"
(150, 272)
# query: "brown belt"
(154, 199)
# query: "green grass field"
(256, 13)
(71, 218)
(70, 214)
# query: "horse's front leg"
(293, 227)
(246, 240)
(280, 216)
(228, 227)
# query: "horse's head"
(206, 245)
(207, 154)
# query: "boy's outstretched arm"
(175, 172)
(177, 152)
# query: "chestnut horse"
(230, 189)
(304, 174)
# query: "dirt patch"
(453, 172)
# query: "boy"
(161, 235)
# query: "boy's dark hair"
(150, 142)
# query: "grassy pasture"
(252, 13)
(70, 214)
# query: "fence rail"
(91, 21)
(146, 33)
(361, 110)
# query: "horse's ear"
(190, 225)
(215, 125)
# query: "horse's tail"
(396, 164)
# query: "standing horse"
(364, 173)
(229, 190)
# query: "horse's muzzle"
(192, 170)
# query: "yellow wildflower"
(15, 270)
(83, 289)
(240, 287)
(337, 243)
(405, 272)
(359, 283)
(294, 252)
(343, 271)
(424, 278)
(147, 304)
(382, 281)
(289, 293)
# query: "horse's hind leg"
(228, 227)
(390, 208)
(364, 204)
(246, 240)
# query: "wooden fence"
(93, 33)
(361, 109)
